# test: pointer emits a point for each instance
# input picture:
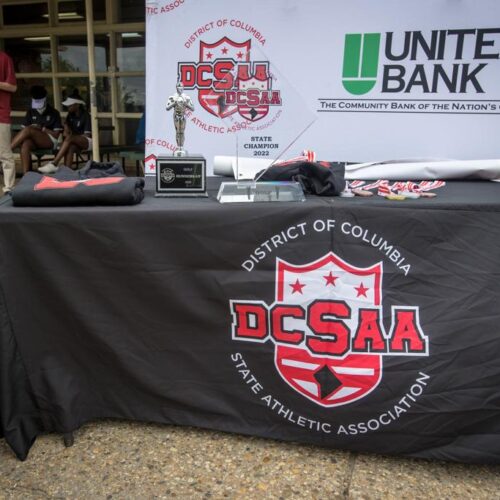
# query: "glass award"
(267, 116)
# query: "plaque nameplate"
(181, 176)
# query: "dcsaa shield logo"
(218, 60)
(229, 82)
(326, 324)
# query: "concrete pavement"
(128, 460)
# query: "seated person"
(77, 134)
(41, 127)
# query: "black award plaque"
(181, 176)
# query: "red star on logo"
(361, 290)
(239, 55)
(209, 55)
(330, 279)
(297, 286)
(224, 50)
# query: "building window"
(129, 128)
(73, 53)
(25, 13)
(130, 11)
(74, 10)
(80, 85)
(131, 91)
(55, 55)
(30, 54)
(130, 52)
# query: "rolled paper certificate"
(390, 170)
(223, 165)
(240, 168)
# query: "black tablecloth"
(362, 324)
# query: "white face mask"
(39, 104)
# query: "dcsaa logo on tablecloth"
(327, 329)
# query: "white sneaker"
(48, 168)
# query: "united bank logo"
(326, 324)
(359, 72)
(229, 82)
(452, 61)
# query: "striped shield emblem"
(328, 380)
(254, 112)
(212, 99)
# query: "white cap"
(71, 100)
(38, 103)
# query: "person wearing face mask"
(77, 134)
(41, 127)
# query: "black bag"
(320, 178)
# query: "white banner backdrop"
(385, 80)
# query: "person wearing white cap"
(77, 134)
(41, 127)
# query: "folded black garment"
(321, 178)
(100, 169)
(67, 188)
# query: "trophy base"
(181, 195)
(180, 153)
(260, 192)
(181, 176)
